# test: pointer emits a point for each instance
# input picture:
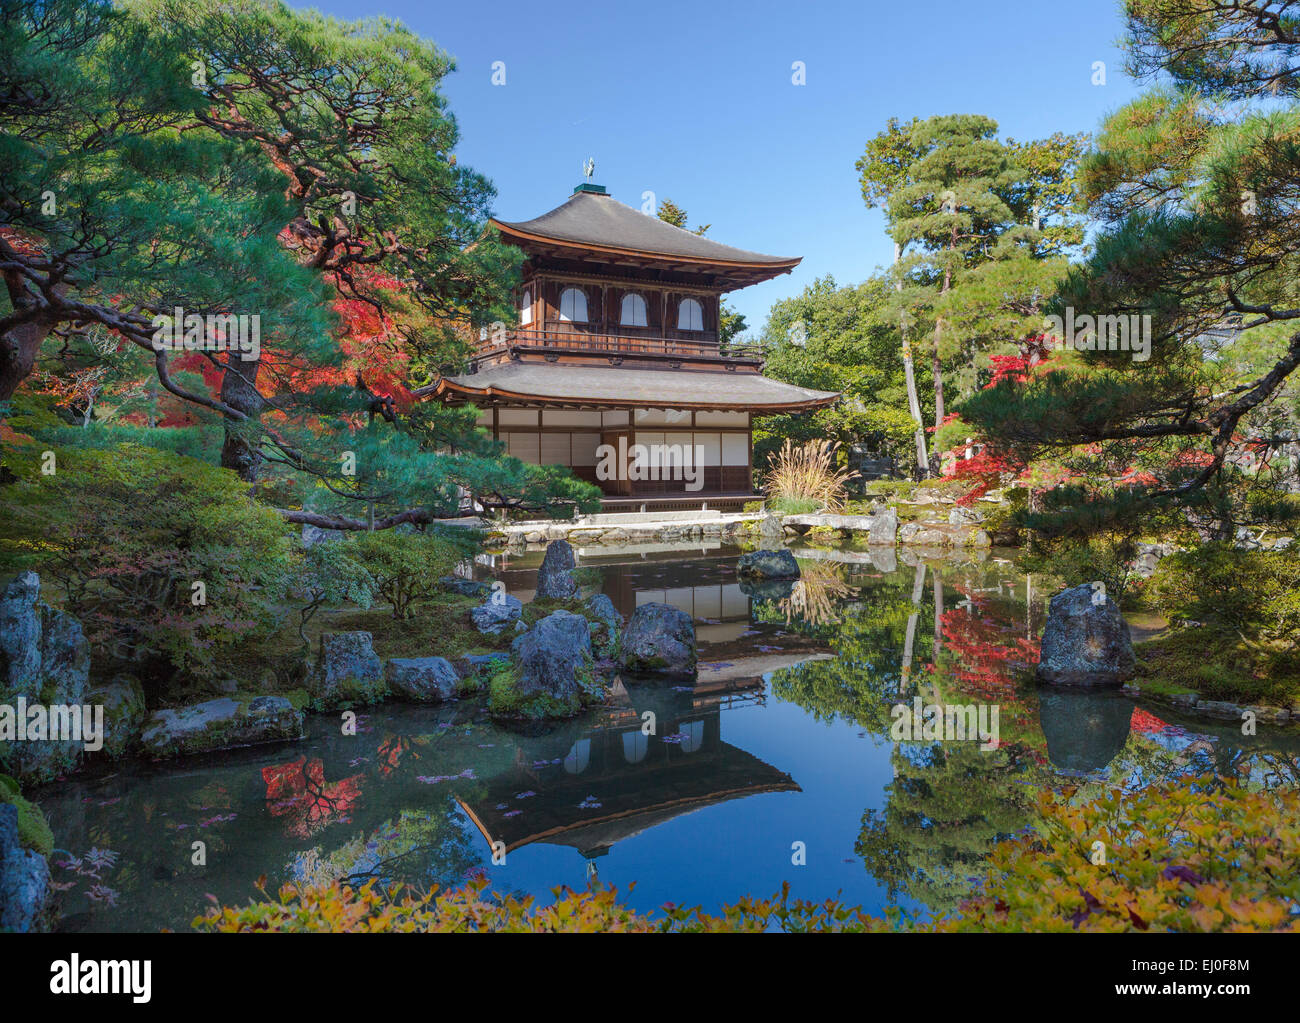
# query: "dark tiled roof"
(626, 386)
(592, 219)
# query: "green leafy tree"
(981, 229)
(166, 562)
(843, 339)
(1196, 201)
(277, 164)
(885, 168)
(670, 213)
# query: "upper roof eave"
(598, 223)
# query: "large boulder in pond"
(770, 564)
(659, 640)
(347, 670)
(552, 655)
(555, 577)
(606, 624)
(499, 612)
(221, 724)
(883, 531)
(44, 660)
(1086, 641)
(421, 679)
(125, 713)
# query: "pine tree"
(980, 227)
(671, 213)
(1196, 203)
(273, 163)
(884, 168)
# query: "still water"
(780, 752)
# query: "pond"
(776, 765)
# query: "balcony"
(594, 339)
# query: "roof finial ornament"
(589, 167)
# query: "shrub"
(1217, 665)
(808, 473)
(328, 573)
(127, 533)
(1105, 556)
(1254, 593)
(405, 567)
(1178, 857)
(1248, 603)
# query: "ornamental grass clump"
(806, 476)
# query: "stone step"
(856, 523)
(635, 518)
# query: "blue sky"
(694, 101)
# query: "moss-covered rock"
(606, 625)
(33, 830)
(221, 724)
(45, 661)
(26, 897)
(659, 640)
(125, 714)
(348, 672)
(551, 672)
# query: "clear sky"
(694, 101)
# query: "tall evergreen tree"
(883, 169)
(274, 163)
(980, 227)
(1197, 202)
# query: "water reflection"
(590, 788)
(696, 792)
(1084, 731)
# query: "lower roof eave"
(447, 389)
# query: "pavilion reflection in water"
(612, 781)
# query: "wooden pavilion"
(617, 344)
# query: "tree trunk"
(18, 350)
(909, 372)
(239, 391)
(936, 370)
(20, 344)
(936, 366)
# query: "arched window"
(579, 754)
(694, 732)
(635, 747)
(526, 307)
(573, 305)
(690, 315)
(633, 312)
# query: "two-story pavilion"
(617, 344)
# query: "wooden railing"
(698, 345)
